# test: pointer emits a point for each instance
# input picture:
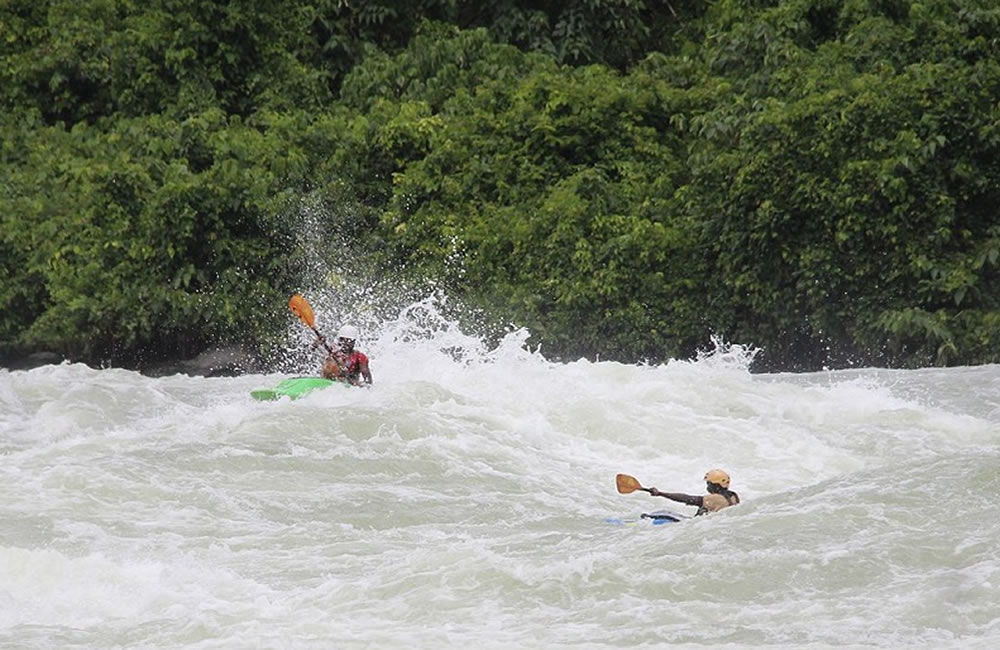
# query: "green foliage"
(615, 32)
(143, 251)
(625, 178)
(545, 195)
(55, 57)
(852, 210)
(80, 61)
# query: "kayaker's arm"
(689, 499)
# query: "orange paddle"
(628, 484)
(301, 308)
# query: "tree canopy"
(625, 178)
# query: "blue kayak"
(657, 518)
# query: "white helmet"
(349, 332)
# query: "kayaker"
(345, 363)
(719, 495)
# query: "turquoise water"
(463, 501)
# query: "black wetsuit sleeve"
(689, 499)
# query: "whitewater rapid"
(464, 499)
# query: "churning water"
(463, 501)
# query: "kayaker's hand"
(653, 492)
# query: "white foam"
(462, 500)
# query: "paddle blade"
(627, 484)
(300, 307)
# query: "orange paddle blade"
(627, 484)
(300, 307)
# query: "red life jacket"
(354, 362)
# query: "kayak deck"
(293, 388)
(657, 518)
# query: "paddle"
(628, 484)
(301, 308)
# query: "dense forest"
(625, 178)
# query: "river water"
(464, 501)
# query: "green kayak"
(294, 388)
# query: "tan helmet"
(718, 477)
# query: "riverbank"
(226, 361)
